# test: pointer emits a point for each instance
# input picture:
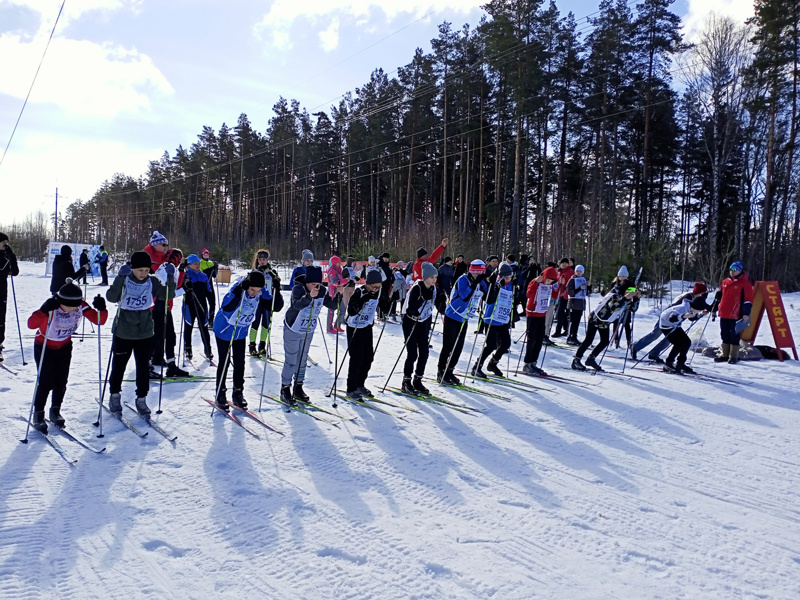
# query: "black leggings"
(162, 322)
(359, 342)
(417, 346)
(591, 330)
(498, 340)
(122, 350)
(237, 357)
(54, 374)
(680, 344)
(452, 344)
(574, 321)
(535, 333)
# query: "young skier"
(299, 325)
(8, 266)
(447, 275)
(610, 310)
(464, 301)
(670, 324)
(360, 319)
(210, 268)
(399, 290)
(197, 291)
(423, 257)
(231, 326)
(497, 318)
(333, 300)
(565, 273)
(733, 302)
(576, 304)
(349, 273)
(134, 289)
(540, 296)
(271, 301)
(57, 320)
(417, 320)
(620, 284)
(307, 260)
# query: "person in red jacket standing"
(565, 273)
(539, 293)
(423, 257)
(733, 302)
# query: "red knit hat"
(699, 288)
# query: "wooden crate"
(223, 275)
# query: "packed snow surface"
(657, 486)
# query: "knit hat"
(204, 251)
(623, 270)
(477, 266)
(400, 264)
(66, 250)
(4, 238)
(386, 255)
(101, 247)
(699, 288)
(307, 255)
(421, 252)
(550, 273)
(579, 268)
(736, 266)
(192, 258)
(157, 238)
(459, 256)
(140, 260)
(374, 277)
(335, 260)
(447, 259)
(505, 270)
(371, 258)
(70, 294)
(175, 256)
(698, 303)
(313, 275)
(256, 278)
(428, 270)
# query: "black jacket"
(62, 268)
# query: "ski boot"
(573, 341)
(55, 416)
(353, 395)
(450, 379)
(364, 391)
(141, 407)
(633, 352)
(252, 350)
(174, 370)
(532, 369)
(188, 355)
(1, 355)
(591, 361)
(299, 394)
(577, 365)
(407, 387)
(115, 403)
(39, 423)
(286, 395)
(262, 349)
(494, 369)
(222, 401)
(419, 387)
(478, 372)
(153, 374)
(684, 368)
(238, 398)
(669, 367)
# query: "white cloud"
(276, 24)
(696, 16)
(48, 9)
(329, 39)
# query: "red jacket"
(156, 258)
(737, 297)
(532, 292)
(38, 320)
(416, 271)
(563, 279)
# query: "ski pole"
(324, 341)
(38, 375)
(100, 374)
(433, 326)
(164, 346)
(544, 354)
(99, 421)
(180, 335)
(521, 352)
(83, 321)
(305, 339)
(708, 318)
(19, 329)
(452, 350)
(336, 375)
(228, 354)
(336, 362)
(403, 349)
(628, 347)
(616, 330)
(268, 356)
(485, 338)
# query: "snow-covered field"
(652, 487)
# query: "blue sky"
(124, 81)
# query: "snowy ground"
(661, 487)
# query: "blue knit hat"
(192, 258)
(736, 266)
(157, 238)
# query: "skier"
(387, 284)
(210, 268)
(349, 273)
(418, 311)
(63, 269)
(333, 299)
(271, 301)
(102, 260)
(134, 289)
(565, 273)
(610, 310)
(576, 303)
(399, 289)
(497, 317)
(621, 283)
(231, 326)
(57, 320)
(464, 301)
(372, 265)
(8, 266)
(447, 275)
(460, 267)
(164, 328)
(423, 257)
(83, 263)
(699, 290)
(670, 324)
(197, 291)
(360, 319)
(540, 296)
(307, 260)
(299, 325)
(733, 301)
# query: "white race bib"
(474, 303)
(366, 315)
(137, 296)
(505, 304)
(543, 294)
(64, 324)
(244, 316)
(307, 318)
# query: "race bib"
(427, 309)
(542, 301)
(474, 302)
(307, 318)
(64, 324)
(505, 304)
(137, 296)
(246, 314)
(366, 316)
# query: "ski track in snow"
(667, 488)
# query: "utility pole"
(55, 220)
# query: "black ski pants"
(591, 330)
(535, 333)
(104, 273)
(190, 314)
(727, 330)
(680, 345)
(54, 374)
(236, 348)
(575, 317)
(562, 317)
(3, 306)
(416, 335)
(498, 340)
(359, 342)
(162, 325)
(122, 350)
(453, 336)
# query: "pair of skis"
(238, 421)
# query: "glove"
(169, 269)
(124, 271)
(187, 285)
(99, 303)
(50, 305)
(182, 266)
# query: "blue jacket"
(236, 314)
(301, 270)
(465, 298)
